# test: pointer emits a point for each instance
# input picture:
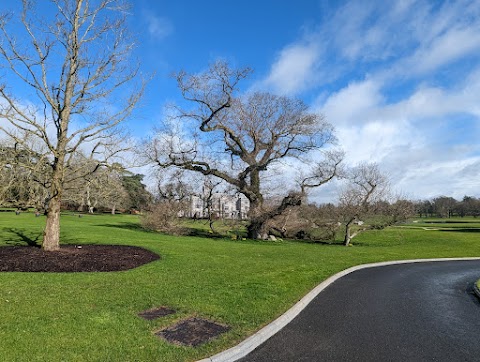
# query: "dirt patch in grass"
(192, 332)
(156, 313)
(71, 258)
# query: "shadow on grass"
(327, 242)
(462, 230)
(187, 231)
(451, 222)
(208, 234)
(22, 237)
(126, 226)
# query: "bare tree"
(399, 210)
(88, 184)
(237, 138)
(113, 192)
(444, 206)
(8, 172)
(75, 63)
(206, 196)
(366, 186)
(23, 173)
(470, 206)
(172, 200)
(308, 221)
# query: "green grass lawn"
(244, 284)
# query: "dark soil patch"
(71, 258)
(192, 332)
(156, 313)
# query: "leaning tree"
(72, 58)
(238, 137)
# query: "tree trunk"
(255, 228)
(51, 234)
(259, 217)
(210, 224)
(257, 220)
(348, 237)
(89, 202)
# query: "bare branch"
(75, 61)
(237, 137)
(325, 170)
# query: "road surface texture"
(409, 312)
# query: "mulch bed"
(102, 258)
(72, 258)
(192, 332)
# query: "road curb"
(476, 289)
(252, 342)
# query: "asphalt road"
(409, 312)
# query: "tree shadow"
(127, 226)
(201, 233)
(22, 237)
(462, 230)
(448, 222)
(316, 241)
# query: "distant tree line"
(90, 185)
(446, 207)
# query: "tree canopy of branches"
(75, 63)
(366, 187)
(446, 207)
(239, 137)
(171, 202)
(22, 174)
(101, 189)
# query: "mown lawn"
(244, 284)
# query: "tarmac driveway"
(408, 312)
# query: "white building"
(221, 205)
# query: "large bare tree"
(74, 59)
(239, 137)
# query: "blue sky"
(399, 80)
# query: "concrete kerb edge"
(476, 289)
(252, 342)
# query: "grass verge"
(243, 284)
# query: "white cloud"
(294, 69)
(408, 138)
(353, 104)
(441, 178)
(471, 170)
(444, 49)
(396, 79)
(158, 27)
(427, 102)
(403, 7)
